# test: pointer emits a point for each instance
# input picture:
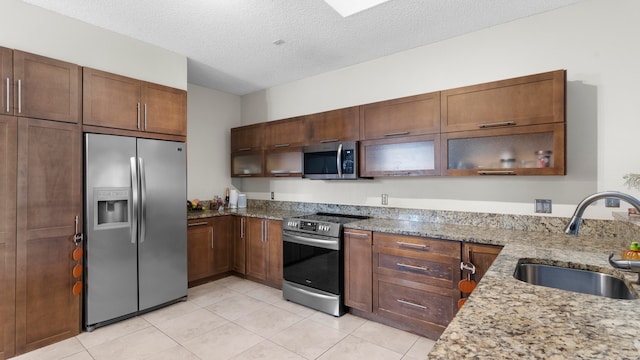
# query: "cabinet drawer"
(414, 301)
(441, 273)
(416, 247)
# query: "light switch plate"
(543, 206)
(385, 199)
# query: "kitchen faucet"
(574, 224)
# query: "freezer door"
(111, 249)
(162, 247)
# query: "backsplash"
(590, 227)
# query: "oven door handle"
(333, 244)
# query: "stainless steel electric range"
(313, 265)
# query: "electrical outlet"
(612, 202)
(543, 206)
(385, 199)
(272, 196)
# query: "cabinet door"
(164, 110)
(333, 126)
(8, 173)
(273, 230)
(256, 249)
(46, 88)
(480, 152)
(50, 192)
(406, 156)
(222, 242)
(286, 133)
(199, 249)
(247, 138)
(247, 164)
(357, 270)
(111, 100)
(527, 100)
(239, 254)
(482, 256)
(414, 115)
(6, 81)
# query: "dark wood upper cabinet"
(333, 126)
(6, 81)
(247, 138)
(287, 133)
(482, 152)
(165, 109)
(408, 116)
(119, 102)
(110, 100)
(526, 100)
(46, 88)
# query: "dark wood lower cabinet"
(358, 285)
(209, 247)
(49, 189)
(239, 246)
(264, 251)
(403, 281)
(481, 256)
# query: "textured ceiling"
(229, 43)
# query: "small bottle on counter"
(633, 253)
(226, 198)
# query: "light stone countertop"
(505, 318)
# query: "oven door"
(313, 261)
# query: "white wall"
(211, 115)
(32, 29)
(595, 41)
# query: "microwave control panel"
(348, 161)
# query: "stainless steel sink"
(582, 281)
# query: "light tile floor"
(233, 318)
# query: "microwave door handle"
(339, 160)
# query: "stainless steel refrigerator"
(135, 226)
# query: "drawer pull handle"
(198, 223)
(244, 149)
(496, 172)
(412, 245)
(405, 302)
(397, 133)
(497, 124)
(413, 267)
(281, 145)
(329, 140)
(356, 234)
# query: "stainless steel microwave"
(336, 160)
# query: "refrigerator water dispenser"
(111, 208)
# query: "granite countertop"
(250, 212)
(505, 318)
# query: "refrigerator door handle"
(143, 201)
(133, 208)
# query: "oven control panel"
(308, 226)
